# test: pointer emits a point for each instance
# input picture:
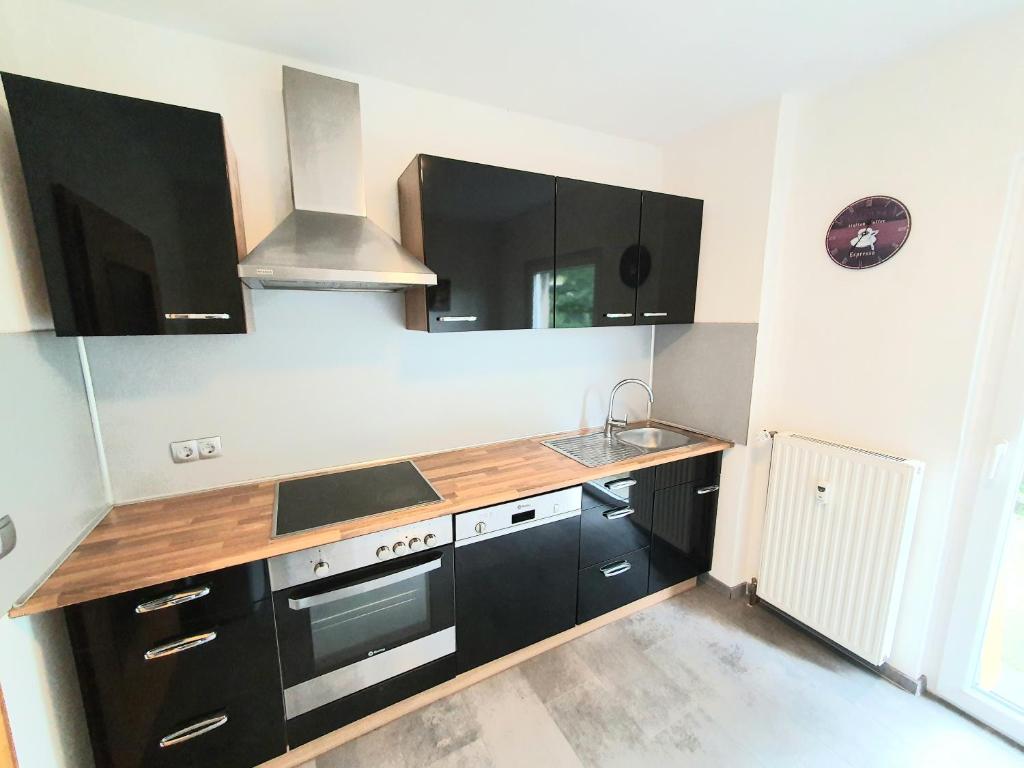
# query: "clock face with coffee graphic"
(868, 232)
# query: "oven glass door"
(333, 622)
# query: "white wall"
(730, 164)
(325, 379)
(884, 358)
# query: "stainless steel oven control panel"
(521, 513)
(317, 562)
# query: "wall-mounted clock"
(868, 232)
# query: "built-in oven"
(363, 623)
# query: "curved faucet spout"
(611, 421)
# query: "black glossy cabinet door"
(133, 208)
(596, 254)
(488, 233)
(194, 684)
(515, 590)
(617, 515)
(670, 229)
(683, 536)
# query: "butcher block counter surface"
(145, 543)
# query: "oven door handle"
(310, 601)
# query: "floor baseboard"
(914, 686)
(733, 593)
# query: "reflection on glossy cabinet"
(595, 254)
(489, 235)
(182, 674)
(683, 534)
(135, 212)
(669, 253)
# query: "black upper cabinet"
(513, 249)
(668, 258)
(596, 254)
(488, 233)
(133, 208)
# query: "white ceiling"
(645, 69)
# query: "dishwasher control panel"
(521, 513)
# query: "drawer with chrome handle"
(179, 645)
(194, 730)
(612, 584)
(173, 599)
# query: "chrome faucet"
(611, 421)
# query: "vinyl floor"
(698, 680)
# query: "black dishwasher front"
(516, 570)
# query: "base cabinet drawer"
(195, 682)
(683, 536)
(617, 514)
(241, 731)
(612, 584)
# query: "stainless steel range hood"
(327, 243)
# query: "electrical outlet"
(209, 447)
(185, 450)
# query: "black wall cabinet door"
(488, 233)
(133, 208)
(683, 534)
(669, 254)
(595, 254)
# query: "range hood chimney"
(327, 243)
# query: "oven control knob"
(321, 569)
(415, 545)
(430, 540)
(384, 553)
(480, 527)
(399, 548)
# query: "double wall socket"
(192, 450)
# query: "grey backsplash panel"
(703, 377)
(50, 478)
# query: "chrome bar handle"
(194, 730)
(617, 315)
(655, 314)
(177, 646)
(197, 316)
(458, 319)
(616, 568)
(707, 489)
(362, 588)
(615, 514)
(618, 485)
(169, 601)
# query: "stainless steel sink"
(596, 450)
(654, 439)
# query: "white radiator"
(836, 539)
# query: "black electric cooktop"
(313, 502)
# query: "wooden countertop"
(145, 543)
